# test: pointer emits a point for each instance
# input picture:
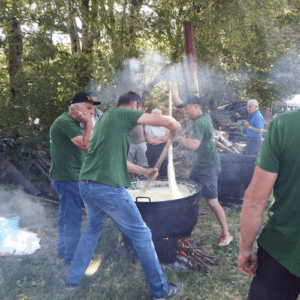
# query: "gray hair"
(155, 110)
(80, 104)
(254, 102)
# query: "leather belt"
(92, 182)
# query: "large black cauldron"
(168, 220)
(236, 174)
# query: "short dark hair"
(128, 98)
(191, 99)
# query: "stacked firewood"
(223, 144)
(184, 155)
(181, 154)
(197, 257)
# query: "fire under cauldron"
(236, 174)
(168, 220)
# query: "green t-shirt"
(105, 161)
(207, 154)
(280, 236)
(66, 157)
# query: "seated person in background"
(157, 138)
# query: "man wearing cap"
(254, 129)
(68, 145)
(98, 112)
(207, 165)
(104, 192)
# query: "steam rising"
(153, 70)
(286, 72)
(17, 204)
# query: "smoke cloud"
(15, 203)
(153, 70)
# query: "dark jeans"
(153, 152)
(253, 146)
(68, 218)
(273, 281)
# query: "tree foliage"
(245, 49)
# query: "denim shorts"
(208, 178)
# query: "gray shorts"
(208, 178)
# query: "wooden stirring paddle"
(158, 164)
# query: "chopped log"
(223, 143)
(223, 147)
(19, 178)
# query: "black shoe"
(174, 289)
(70, 286)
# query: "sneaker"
(225, 241)
(70, 286)
(174, 289)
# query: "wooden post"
(190, 52)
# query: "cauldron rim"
(170, 202)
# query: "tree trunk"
(75, 45)
(15, 50)
(132, 25)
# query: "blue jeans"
(101, 199)
(69, 217)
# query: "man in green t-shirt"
(207, 165)
(68, 146)
(276, 264)
(104, 177)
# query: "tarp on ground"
(16, 241)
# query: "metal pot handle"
(143, 197)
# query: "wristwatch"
(250, 127)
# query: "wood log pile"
(183, 155)
(224, 145)
(19, 157)
(197, 257)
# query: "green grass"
(41, 275)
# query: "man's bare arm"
(82, 141)
(157, 120)
(191, 143)
(255, 201)
(177, 100)
(151, 172)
